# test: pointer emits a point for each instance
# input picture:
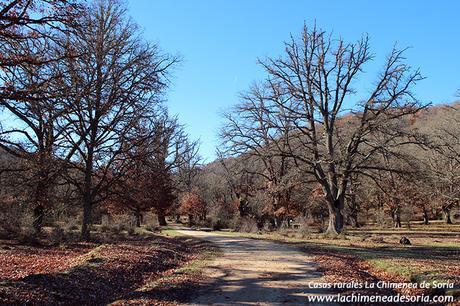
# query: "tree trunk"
(447, 216)
(85, 227)
(41, 196)
(396, 215)
(260, 223)
(335, 225)
(87, 198)
(354, 220)
(39, 209)
(353, 207)
(272, 224)
(138, 216)
(242, 206)
(161, 219)
(397, 219)
(39, 213)
(426, 219)
(279, 221)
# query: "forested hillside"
(422, 183)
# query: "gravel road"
(257, 272)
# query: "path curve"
(257, 272)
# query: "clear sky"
(220, 41)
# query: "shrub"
(12, 219)
(245, 224)
(152, 224)
(380, 218)
(27, 232)
(304, 230)
(215, 222)
(283, 231)
(152, 227)
(131, 230)
(58, 235)
(218, 225)
(119, 224)
(9, 228)
(72, 224)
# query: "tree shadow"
(387, 251)
(100, 280)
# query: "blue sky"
(220, 42)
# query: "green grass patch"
(171, 232)
(196, 266)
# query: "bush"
(152, 227)
(27, 232)
(304, 230)
(151, 222)
(381, 218)
(247, 225)
(12, 220)
(72, 224)
(407, 214)
(131, 230)
(9, 228)
(119, 224)
(58, 235)
(216, 223)
(283, 231)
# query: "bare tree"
(255, 132)
(317, 73)
(145, 183)
(29, 91)
(176, 161)
(189, 164)
(115, 82)
(30, 21)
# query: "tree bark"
(354, 220)
(426, 219)
(39, 213)
(397, 218)
(353, 215)
(242, 206)
(162, 219)
(39, 209)
(447, 216)
(335, 224)
(41, 194)
(87, 208)
(138, 216)
(87, 197)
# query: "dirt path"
(257, 272)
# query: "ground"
(140, 270)
(374, 254)
(257, 272)
(202, 267)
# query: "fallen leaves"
(18, 261)
(96, 275)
